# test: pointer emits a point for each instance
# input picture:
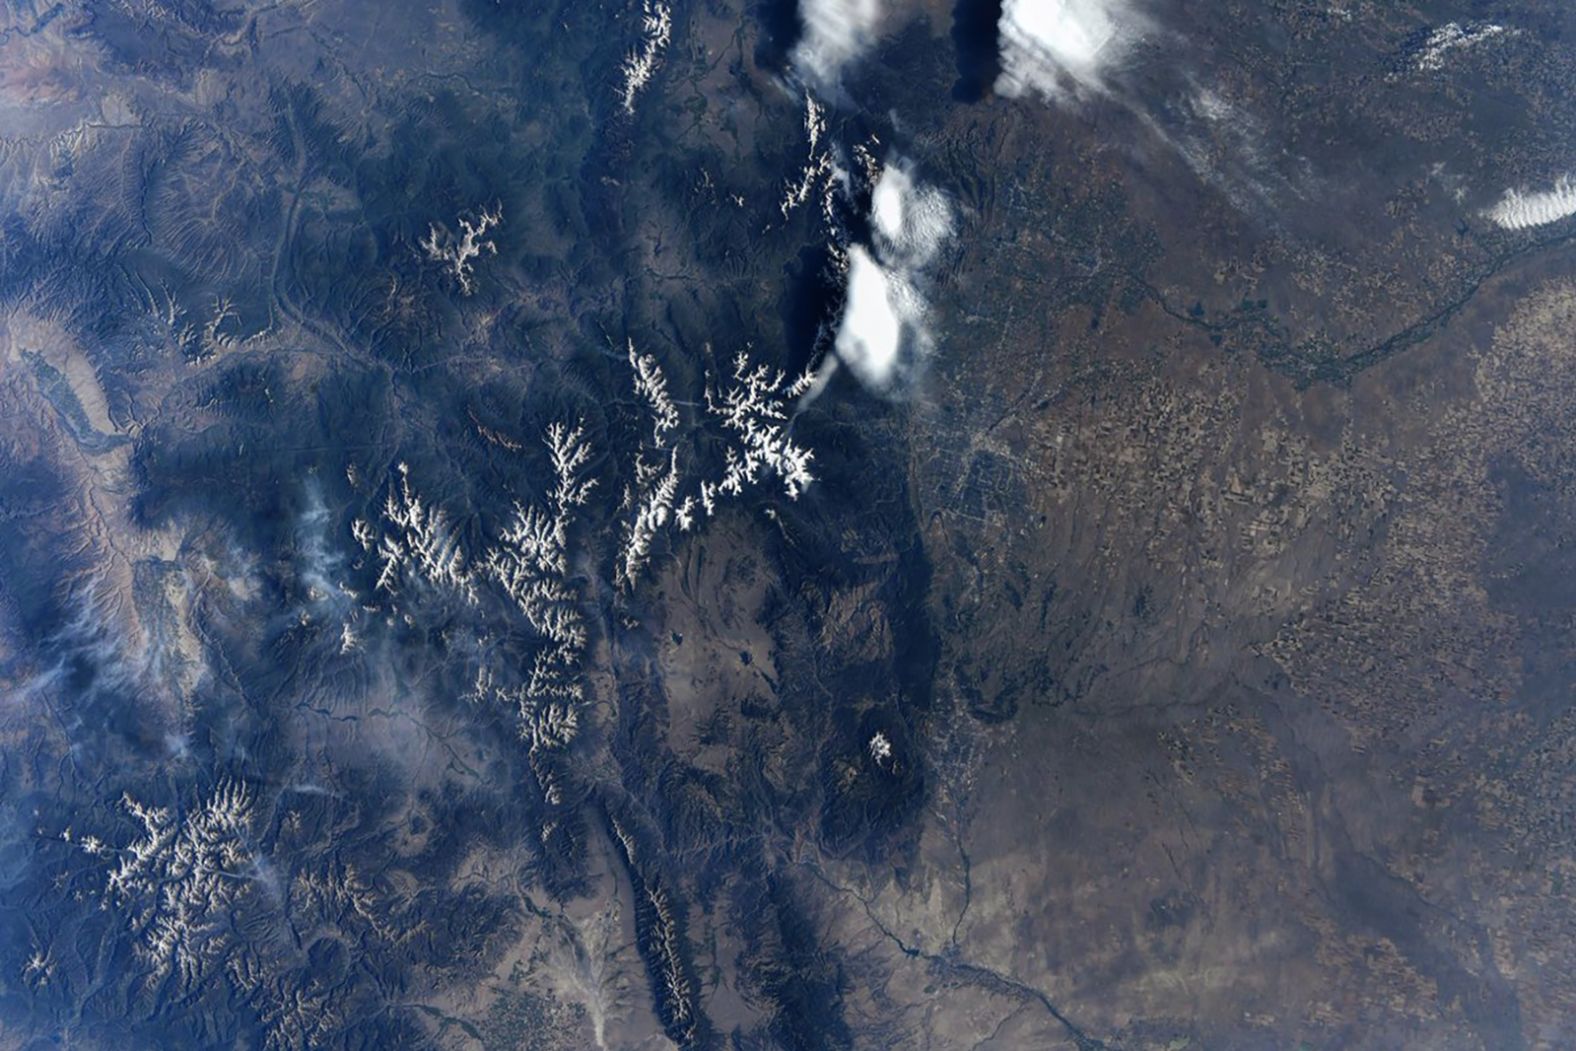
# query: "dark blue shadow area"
(974, 35)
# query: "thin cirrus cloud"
(1063, 51)
(835, 34)
(884, 334)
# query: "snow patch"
(458, 253)
(1450, 38)
(656, 29)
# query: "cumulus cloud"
(885, 330)
(1521, 211)
(911, 222)
(836, 32)
(1058, 48)
(871, 333)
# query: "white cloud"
(884, 331)
(911, 222)
(887, 202)
(1521, 211)
(836, 32)
(319, 563)
(871, 333)
(1059, 47)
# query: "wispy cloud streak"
(835, 34)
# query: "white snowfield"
(1453, 37)
(176, 882)
(1522, 211)
(656, 29)
(415, 543)
(457, 254)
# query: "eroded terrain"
(467, 584)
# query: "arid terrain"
(846, 524)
